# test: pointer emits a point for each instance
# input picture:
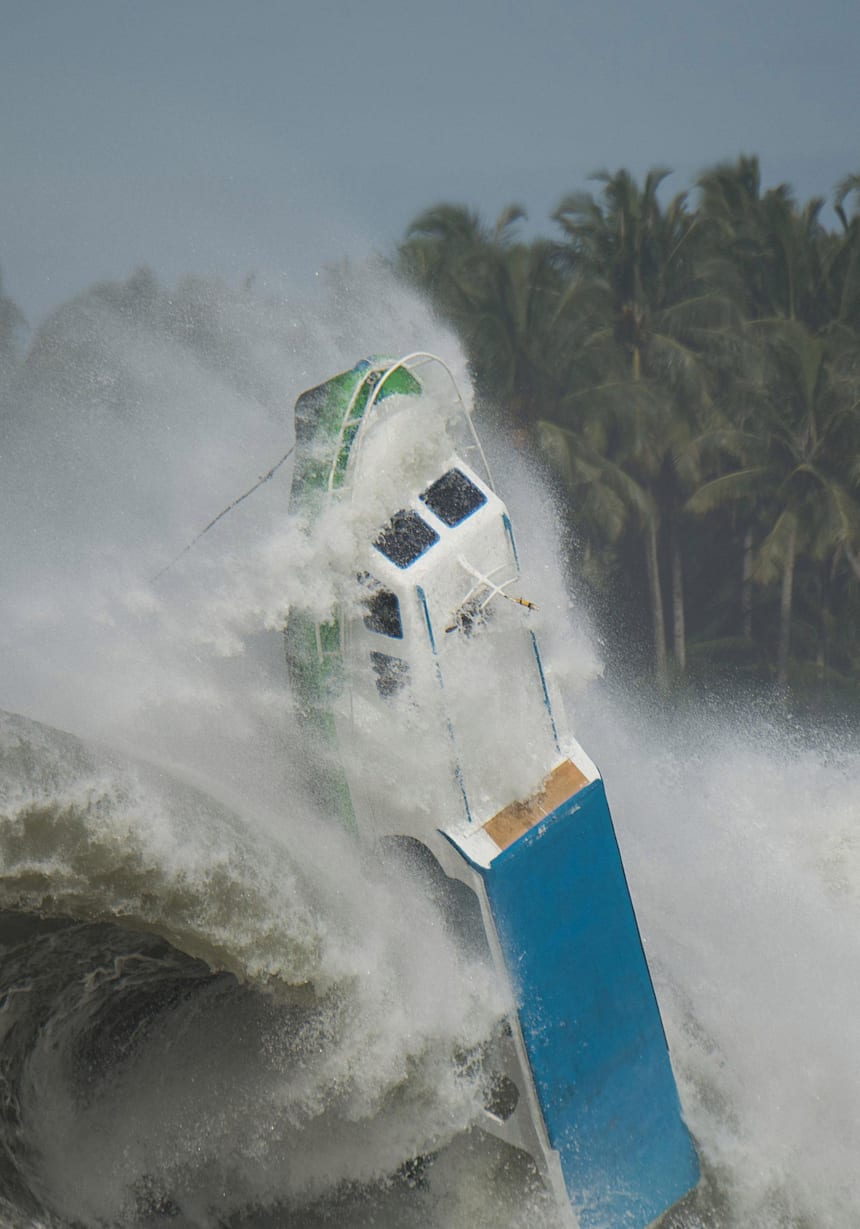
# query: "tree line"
(690, 369)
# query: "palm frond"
(728, 488)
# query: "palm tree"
(844, 268)
(785, 269)
(444, 253)
(777, 255)
(794, 445)
(504, 299)
(656, 319)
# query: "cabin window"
(453, 497)
(383, 611)
(392, 674)
(405, 537)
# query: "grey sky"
(214, 137)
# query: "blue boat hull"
(589, 1018)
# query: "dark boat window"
(383, 613)
(392, 674)
(453, 497)
(405, 537)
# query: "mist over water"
(242, 1020)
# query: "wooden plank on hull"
(509, 824)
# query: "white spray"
(740, 844)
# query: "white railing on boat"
(410, 363)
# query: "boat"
(437, 725)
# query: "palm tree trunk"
(746, 585)
(679, 638)
(658, 622)
(825, 584)
(785, 612)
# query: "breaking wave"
(214, 1009)
(197, 1022)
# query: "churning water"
(215, 1009)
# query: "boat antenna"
(265, 478)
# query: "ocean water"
(217, 1009)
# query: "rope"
(223, 512)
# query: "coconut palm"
(776, 254)
(844, 267)
(658, 318)
(806, 422)
(784, 268)
(503, 297)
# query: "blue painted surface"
(546, 701)
(589, 1017)
(422, 597)
(509, 529)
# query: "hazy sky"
(214, 137)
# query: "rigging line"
(223, 512)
